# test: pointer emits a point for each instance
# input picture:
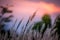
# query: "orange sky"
(24, 8)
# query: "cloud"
(25, 6)
(28, 8)
(56, 2)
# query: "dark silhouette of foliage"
(4, 19)
(57, 27)
(33, 38)
(5, 10)
(37, 26)
(45, 20)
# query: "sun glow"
(27, 8)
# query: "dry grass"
(32, 35)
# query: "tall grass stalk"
(19, 24)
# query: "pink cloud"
(29, 7)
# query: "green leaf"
(47, 20)
(37, 26)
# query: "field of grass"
(42, 30)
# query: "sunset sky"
(25, 8)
